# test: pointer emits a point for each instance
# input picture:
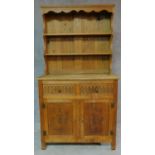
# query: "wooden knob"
(59, 91)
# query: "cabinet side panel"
(42, 118)
(113, 144)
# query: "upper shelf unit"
(78, 39)
(77, 21)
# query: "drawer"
(97, 89)
(78, 89)
(58, 89)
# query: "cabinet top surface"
(68, 8)
(79, 77)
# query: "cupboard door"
(95, 120)
(60, 121)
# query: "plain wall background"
(38, 44)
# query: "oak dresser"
(78, 92)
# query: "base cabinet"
(77, 120)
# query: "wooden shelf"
(78, 43)
(78, 77)
(72, 54)
(76, 34)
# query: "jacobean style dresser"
(78, 92)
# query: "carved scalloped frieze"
(46, 10)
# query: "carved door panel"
(96, 119)
(61, 121)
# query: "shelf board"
(72, 54)
(78, 77)
(76, 34)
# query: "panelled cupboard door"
(96, 120)
(60, 121)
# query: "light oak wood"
(72, 54)
(42, 122)
(80, 105)
(69, 45)
(113, 144)
(78, 77)
(86, 8)
(76, 34)
(78, 93)
(94, 119)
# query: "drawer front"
(78, 89)
(58, 89)
(97, 89)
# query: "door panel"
(61, 120)
(85, 121)
(95, 119)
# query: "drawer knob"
(96, 91)
(59, 91)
